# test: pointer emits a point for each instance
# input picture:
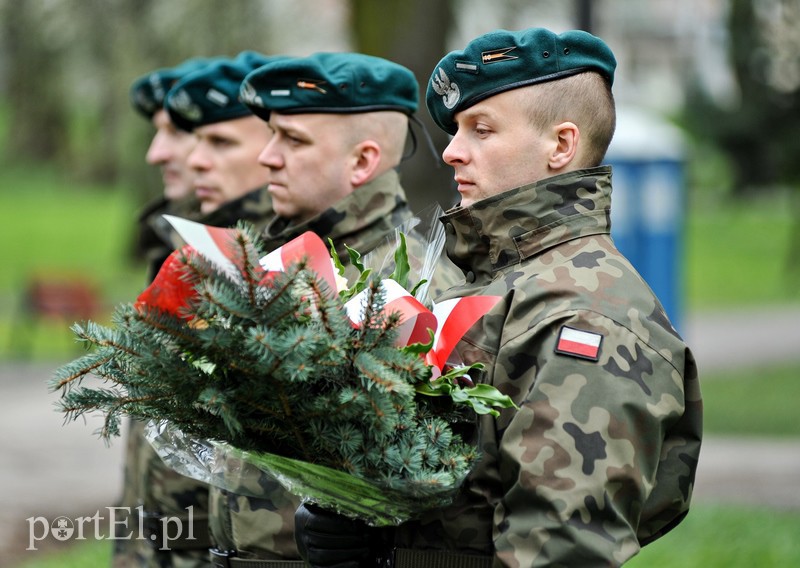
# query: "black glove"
(329, 540)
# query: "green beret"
(503, 60)
(148, 91)
(211, 94)
(330, 83)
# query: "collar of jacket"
(254, 206)
(362, 220)
(507, 228)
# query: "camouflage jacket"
(156, 239)
(153, 244)
(263, 527)
(368, 221)
(148, 482)
(600, 457)
(254, 207)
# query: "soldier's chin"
(283, 210)
(174, 192)
(207, 206)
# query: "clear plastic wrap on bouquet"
(233, 351)
(425, 254)
(247, 473)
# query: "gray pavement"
(743, 339)
(728, 340)
(48, 469)
(51, 469)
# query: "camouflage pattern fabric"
(148, 482)
(259, 527)
(366, 221)
(263, 527)
(157, 489)
(600, 458)
(153, 242)
(254, 207)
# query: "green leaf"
(419, 348)
(401, 266)
(337, 262)
(413, 291)
(434, 388)
(355, 259)
(482, 398)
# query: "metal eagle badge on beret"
(147, 93)
(446, 88)
(579, 343)
(211, 94)
(248, 95)
(181, 103)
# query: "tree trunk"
(414, 34)
(36, 105)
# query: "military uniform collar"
(254, 206)
(361, 220)
(507, 228)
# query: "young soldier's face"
(169, 149)
(310, 161)
(225, 160)
(496, 148)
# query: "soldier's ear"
(566, 137)
(366, 159)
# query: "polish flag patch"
(579, 343)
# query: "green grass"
(710, 537)
(752, 402)
(69, 554)
(54, 230)
(737, 252)
(726, 537)
(52, 227)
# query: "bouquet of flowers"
(340, 392)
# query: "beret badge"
(249, 95)
(497, 55)
(446, 88)
(313, 84)
(181, 102)
(503, 60)
(331, 82)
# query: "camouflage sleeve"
(579, 460)
(254, 516)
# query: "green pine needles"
(272, 363)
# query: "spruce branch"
(271, 362)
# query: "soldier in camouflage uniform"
(143, 483)
(224, 163)
(354, 108)
(600, 457)
(332, 159)
(168, 150)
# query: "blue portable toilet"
(648, 157)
